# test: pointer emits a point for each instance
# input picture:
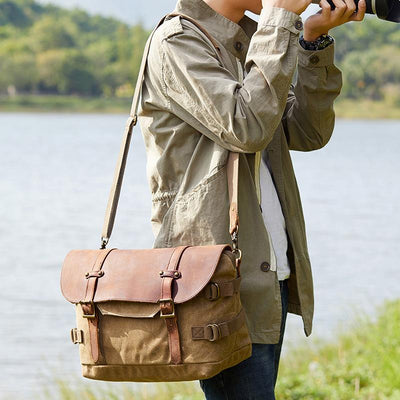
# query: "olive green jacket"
(196, 107)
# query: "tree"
(66, 71)
(49, 33)
(367, 73)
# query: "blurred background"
(67, 72)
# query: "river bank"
(345, 108)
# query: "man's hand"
(296, 6)
(326, 19)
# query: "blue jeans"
(255, 377)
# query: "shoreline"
(344, 108)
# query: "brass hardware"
(104, 242)
(239, 252)
(94, 274)
(215, 284)
(89, 316)
(172, 314)
(216, 333)
(177, 274)
(76, 336)
(161, 273)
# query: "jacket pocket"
(201, 216)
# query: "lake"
(56, 170)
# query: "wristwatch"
(319, 44)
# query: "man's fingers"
(351, 8)
(340, 9)
(325, 8)
(362, 8)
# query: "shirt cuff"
(316, 58)
(275, 16)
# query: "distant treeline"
(46, 49)
(50, 50)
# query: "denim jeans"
(255, 377)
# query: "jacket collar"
(234, 37)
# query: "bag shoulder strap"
(233, 160)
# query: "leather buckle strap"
(214, 291)
(167, 311)
(167, 307)
(88, 310)
(217, 289)
(216, 331)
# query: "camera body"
(388, 10)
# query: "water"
(56, 170)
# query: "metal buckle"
(216, 333)
(89, 316)
(104, 242)
(215, 284)
(76, 336)
(172, 314)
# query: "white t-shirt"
(274, 220)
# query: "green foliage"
(372, 33)
(369, 55)
(49, 50)
(364, 363)
(370, 72)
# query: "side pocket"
(202, 215)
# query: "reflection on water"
(55, 175)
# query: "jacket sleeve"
(201, 91)
(309, 117)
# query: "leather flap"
(134, 275)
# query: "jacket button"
(238, 46)
(298, 25)
(314, 59)
(265, 267)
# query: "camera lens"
(388, 10)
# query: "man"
(197, 106)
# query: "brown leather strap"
(167, 306)
(233, 161)
(217, 331)
(88, 307)
(94, 274)
(217, 289)
(194, 22)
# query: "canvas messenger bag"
(161, 314)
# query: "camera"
(389, 10)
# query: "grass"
(366, 109)
(74, 104)
(345, 108)
(362, 364)
(159, 391)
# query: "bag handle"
(232, 166)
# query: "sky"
(149, 12)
